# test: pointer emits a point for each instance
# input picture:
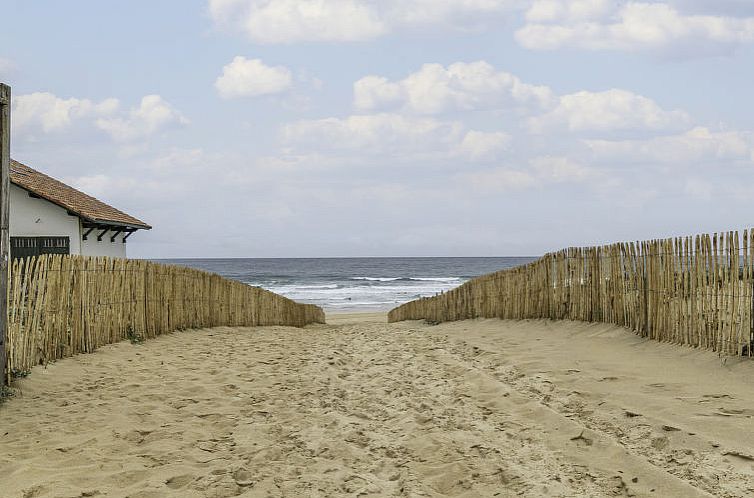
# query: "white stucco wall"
(92, 247)
(31, 217)
(34, 217)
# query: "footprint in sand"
(243, 477)
(660, 443)
(718, 396)
(582, 440)
(609, 378)
(734, 412)
(741, 462)
(178, 482)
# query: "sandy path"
(360, 407)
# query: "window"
(23, 247)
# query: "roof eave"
(116, 223)
(82, 216)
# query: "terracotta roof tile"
(85, 206)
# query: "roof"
(85, 206)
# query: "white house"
(48, 216)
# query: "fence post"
(749, 346)
(146, 299)
(4, 221)
(645, 272)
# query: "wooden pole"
(4, 221)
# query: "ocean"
(353, 284)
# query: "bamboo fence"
(59, 306)
(694, 291)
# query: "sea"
(353, 284)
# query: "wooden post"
(749, 346)
(4, 220)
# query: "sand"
(362, 408)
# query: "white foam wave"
(356, 304)
(377, 279)
(436, 279)
(365, 292)
(417, 279)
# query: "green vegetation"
(134, 336)
(5, 393)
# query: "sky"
(337, 128)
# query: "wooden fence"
(695, 291)
(59, 306)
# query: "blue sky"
(285, 128)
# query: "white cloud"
(696, 145)
(484, 145)
(374, 92)
(244, 77)
(131, 191)
(611, 110)
(372, 136)
(107, 106)
(540, 171)
(631, 26)
(460, 13)
(459, 86)
(45, 111)
(153, 115)
(373, 132)
(170, 175)
(292, 21)
(573, 10)
(104, 186)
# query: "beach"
(353, 285)
(359, 407)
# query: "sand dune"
(363, 408)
